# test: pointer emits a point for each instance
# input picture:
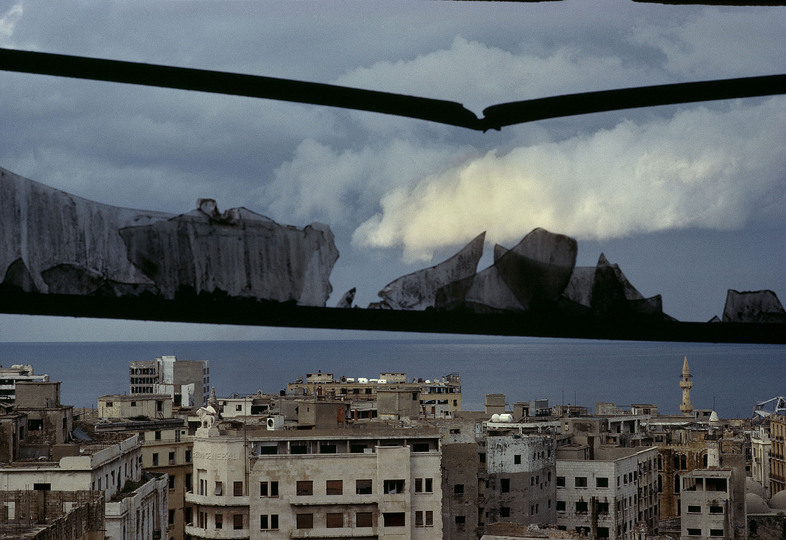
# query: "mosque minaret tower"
(685, 384)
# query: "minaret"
(686, 384)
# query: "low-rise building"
(187, 382)
(9, 376)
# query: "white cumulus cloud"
(699, 168)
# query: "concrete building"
(760, 458)
(710, 506)
(48, 421)
(133, 502)
(187, 382)
(377, 481)
(520, 474)
(438, 398)
(166, 450)
(9, 376)
(609, 495)
(777, 453)
(52, 515)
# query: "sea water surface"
(728, 378)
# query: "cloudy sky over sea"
(689, 200)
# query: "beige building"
(711, 510)
(437, 398)
(777, 453)
(374, 482)
(167, 447)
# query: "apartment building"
(9, 376)
(709, 503)
(777, 453)
(187, 382)
(760, 458)
(166, 445)
(608, 495)
(378, 481)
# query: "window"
(264, 522)
(268, 489)
(694, 532)
(334, 487)
(419, 518)
(393, 519)
(517, 459)
(237, 489)
(694, 509)
(43, 487)
(581, 507)
(603, 508)
(155, 459)
(327, 448)
(219, 488)
(219, 521)
(458, 489)
(238, 407)
(716, 532)
(188, 456)
(171, 481)
(428, 485)
(298, 449)
(560, 481)
(505, 485)
(274, 521)
(237, 521)
(393, 486)
(334, 520)
(420, 447)
(581, 481)
(602, 482)
(504, 511)
(602, 532)
(364, 519)
(460, 520)
(158, 435)
(171, 517)
(304, 521)
(304, 487)
(716, 509)
(429, 518)
(363, 487)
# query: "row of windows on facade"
(332, 487)
(333, 520)
(504, 484)
(713, 532)
(328, 448)
(171, 456)
(114, 478)
(600, 481)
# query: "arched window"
(660, 483)
(676, 483)
(683, 461)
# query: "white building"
(369, 483)
(11, 375)
(609, 494)
(135, 504)
(760, 458)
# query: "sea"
(729, 379)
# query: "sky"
(689, 200)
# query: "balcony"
(310, 500)
(345, 532)
(229, 532)
(212, 500)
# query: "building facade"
(608, 496)
(366, 483)
(187, 382)
(9, 376)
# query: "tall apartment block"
(186, 381)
